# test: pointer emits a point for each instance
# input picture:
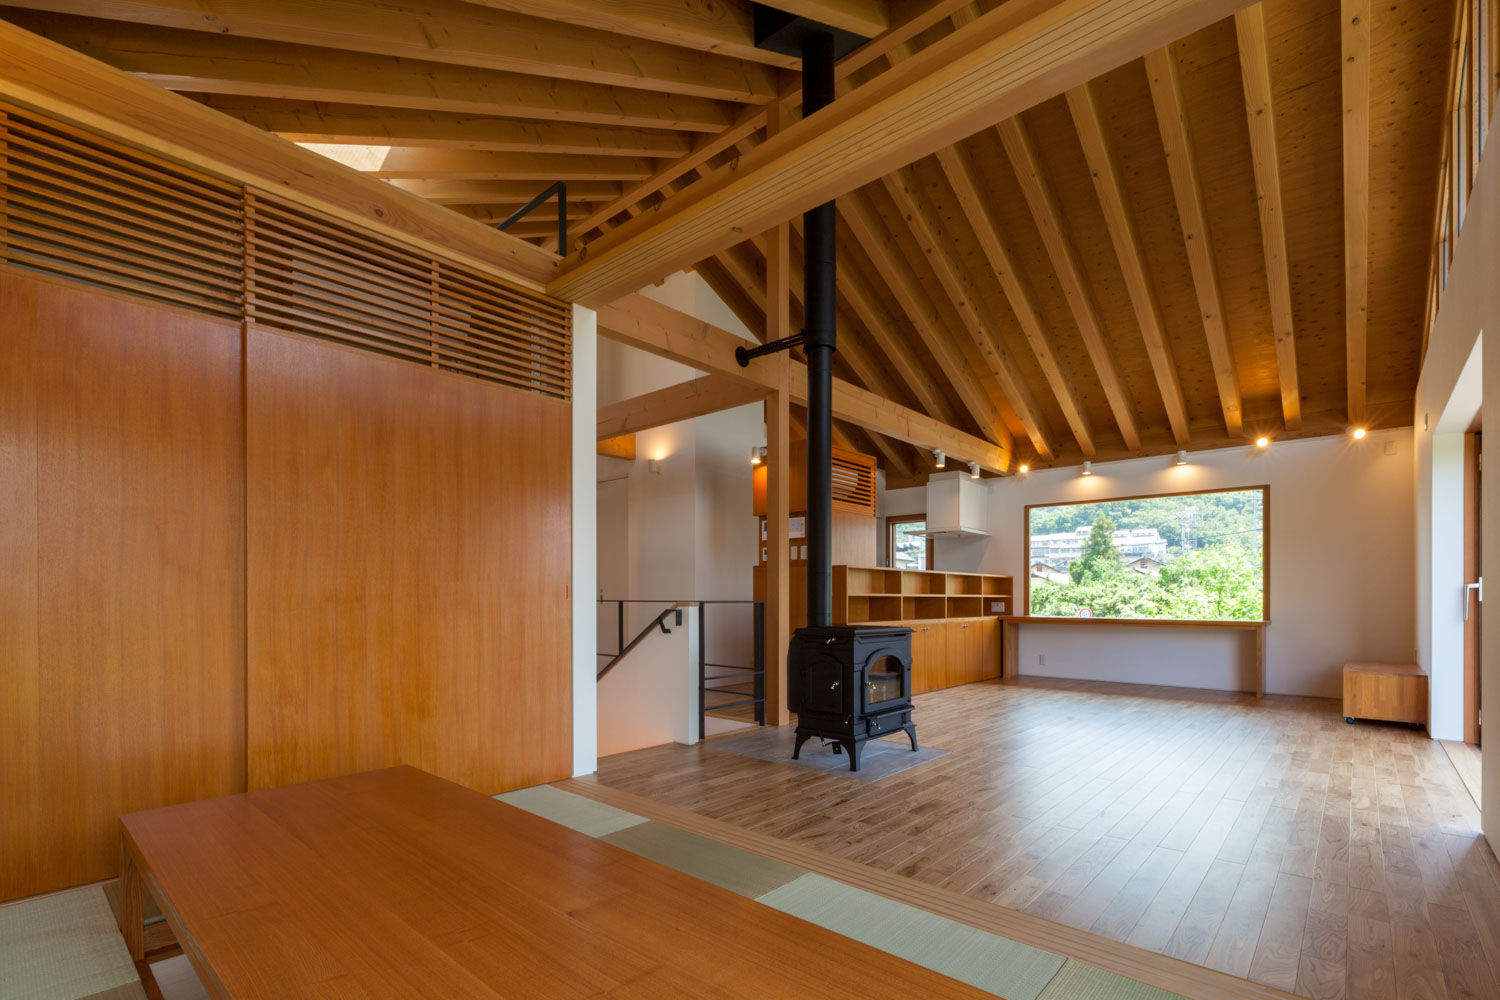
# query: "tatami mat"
(1005, 968)
(62, 947)
(729, 867)
(584, 815)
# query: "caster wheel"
(1349, 719)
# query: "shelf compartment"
(964, 584)
(874, 609)
(997, 586)
(873, 581)
(924, 606)
(917, 583)
(966, 607)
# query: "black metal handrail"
(660, 621)
(756, 671)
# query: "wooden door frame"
(1472, 565)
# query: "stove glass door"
(883, 681)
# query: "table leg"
(132, 906)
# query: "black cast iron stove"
(849, 684)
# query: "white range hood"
(955, 507)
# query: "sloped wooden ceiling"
(1161, 259)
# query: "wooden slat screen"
(319, 277)
(77, 206)
(853, 481)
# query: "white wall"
(585, 536)
(1470, 301)
(1342, 567)
(633, 712)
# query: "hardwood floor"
(1266, 839)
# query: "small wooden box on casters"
(1389, 692)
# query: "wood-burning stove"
(849, 684)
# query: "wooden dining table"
(397, 883)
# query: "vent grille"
(853, 481)
(75, 206)
(319, 277)
(78, 209)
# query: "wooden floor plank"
(1124, 810)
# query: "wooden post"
(778, 468)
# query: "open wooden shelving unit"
(878, 594)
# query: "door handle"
(1478, 591)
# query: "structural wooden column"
(778, 467)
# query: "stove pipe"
(818, 276)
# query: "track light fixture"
(757, 454)
(1087, 470)
(1181, 458)
(939, 460)
(973, 470)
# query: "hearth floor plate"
(878, 758)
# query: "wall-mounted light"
(939, 460)
(973, 470)
(1262, 441)
(757, 454)
(1024, 469)
(1087, 470)
(1359, 433)
(1181, 458)
(653, 465)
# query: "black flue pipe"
(818, 276)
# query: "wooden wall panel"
(121, 641)
(408, 570)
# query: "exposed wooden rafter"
(1048, 218)
(1255, 71)
(225, 64)
(305, 121)
(1127, 244)
(450, 31)
(863, 17)
(1166, 94)
(1355, 47)
(958, 282)
(867, 229)
(483, 165)
(1006, 61)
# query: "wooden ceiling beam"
(724, 27)
(1017, 55)
(867, 18)
(865, 226)
(513, 193)
(305, 121)
(492, 214)
(1048, 218)
(1105, 171)
(683, 401)
(1255, 72)
(916, 17)
(462, 34)
(1166, 95)
(1354, 46)
(225, 64)
(968, 302)
(657, 329)
(481, 165)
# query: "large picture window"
(1187, 557)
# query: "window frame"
(890, 538)
(1265, 576)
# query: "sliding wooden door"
(408, 570)
(121, 600)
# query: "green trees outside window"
(1199, 556)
